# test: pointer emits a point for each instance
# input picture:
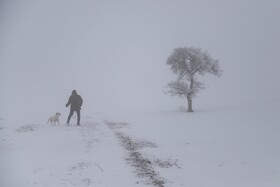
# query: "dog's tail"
(48, 121)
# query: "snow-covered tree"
(189, 64)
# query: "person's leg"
(70, 115)
(78, 116)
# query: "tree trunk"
(189, 104)
(189, 96)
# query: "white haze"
(114, 53)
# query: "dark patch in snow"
(116, 125)
(167, 163)
(81, 166)
(143, 166)
(134, 145)
(26, 128)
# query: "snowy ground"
(222, 147)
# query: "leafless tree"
(189, 64)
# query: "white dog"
(54, 119)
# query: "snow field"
(231, 146)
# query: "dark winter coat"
(75, 100)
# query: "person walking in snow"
(76, 102)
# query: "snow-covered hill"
(232, 147)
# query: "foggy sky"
(113, 52)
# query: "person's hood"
(74, 92)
